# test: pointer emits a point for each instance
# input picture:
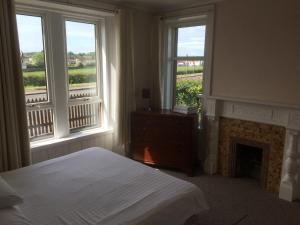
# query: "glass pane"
(191, 41)
(84, 115)
(189, 79)
(30, 30)
(81, 59)
(40, 123)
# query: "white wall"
(257, 50)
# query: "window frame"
(191, 17)
(48, 11)
(47, 57)
(50, 104)
(98, 98)
(176, 58)
(97, 49)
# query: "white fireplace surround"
(268, 113)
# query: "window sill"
(81, 135)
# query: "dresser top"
(162, 112)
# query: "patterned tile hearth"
(271, 135)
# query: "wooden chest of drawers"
(164, 138)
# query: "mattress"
(96, 186)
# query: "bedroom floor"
(235, 201)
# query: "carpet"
(241, 201)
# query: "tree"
(187, 92)
(38, 59)
(91, 53)
(80, 65)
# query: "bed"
(96, 186)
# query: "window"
(189, 62)
(83, 79)
(81, 59)
(186, 64)
(35, 75)
(62, 71)
(33, 57)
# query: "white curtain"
(14, 140)
(124, 81)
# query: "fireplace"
(249, 159)
(257, 144)
(263, 122)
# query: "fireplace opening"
(248, 161)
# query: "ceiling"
(156, 5)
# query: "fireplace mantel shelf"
(257, 112)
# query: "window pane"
(39, 120)
(81, 59)
(30, 32)
(191, 41)
(189, 79)
(82, 71)
(84, 115)
(40, 123)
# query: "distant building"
(73, 59)
(24, 60)
(189, 63)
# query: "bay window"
(62, 63)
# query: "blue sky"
(81, 37)
(30, 33)
(191, 41)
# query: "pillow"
(13, 216)
(8, 197)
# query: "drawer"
(163, 139)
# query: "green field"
(71, 86)
(189, 69)
(187, 90)
(85, 77)
(78, 78)
(85, 71)
(92, 70)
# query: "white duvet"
(96, 186)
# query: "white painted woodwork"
(289, 172)
(263, 113)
